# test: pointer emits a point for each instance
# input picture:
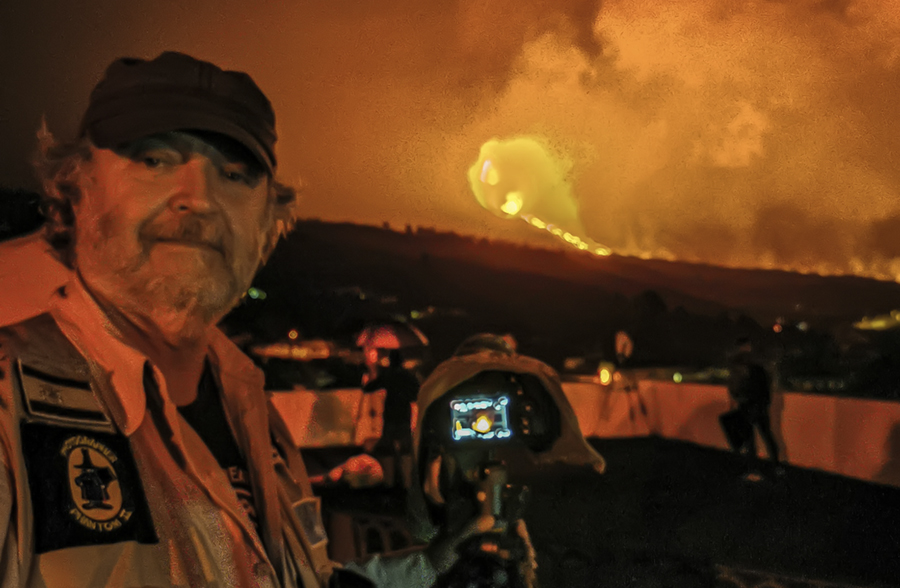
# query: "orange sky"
(763, 134)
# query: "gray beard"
(185, 303)
(179, 309)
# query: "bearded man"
(138, 446)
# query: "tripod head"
(488, 419)
(496, 558)
(475, 433)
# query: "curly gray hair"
(57, 163)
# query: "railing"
(853, 437)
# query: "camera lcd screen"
(480, 418)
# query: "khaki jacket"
(103, 484)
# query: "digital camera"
(494, 409)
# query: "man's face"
(174, 221)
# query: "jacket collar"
(118, 370)
(117, 367)
(91, 331)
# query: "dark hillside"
(328, 279)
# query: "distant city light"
(879, 323)
(605, 376)
(256, 294)
(293, 334)
(677, 377)
(303, 351)
(777, 328)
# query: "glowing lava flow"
(524, 178)
(583, 243)
(520, 177)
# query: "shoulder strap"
(304, 530)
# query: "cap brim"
(127, 127)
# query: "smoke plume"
(754, 134)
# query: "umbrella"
(395, 335)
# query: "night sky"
(759, 134)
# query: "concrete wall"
(852, 437)
(333, 418)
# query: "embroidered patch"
(64, 400)
(93, 484)
(85, 488)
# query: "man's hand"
(528, 566)
(444, 552)
(361, 471)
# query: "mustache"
(209, 231)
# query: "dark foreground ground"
(670, 513)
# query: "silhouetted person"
(750, 388)
(401, 387)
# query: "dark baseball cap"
(137, 98)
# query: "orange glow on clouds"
(745, 133)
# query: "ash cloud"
(757, 134)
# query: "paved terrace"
(672, 509)
(671, 513)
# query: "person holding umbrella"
(394, 448)
(401, 386)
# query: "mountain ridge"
(328, 279)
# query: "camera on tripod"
(481, 426)
(476, 443)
